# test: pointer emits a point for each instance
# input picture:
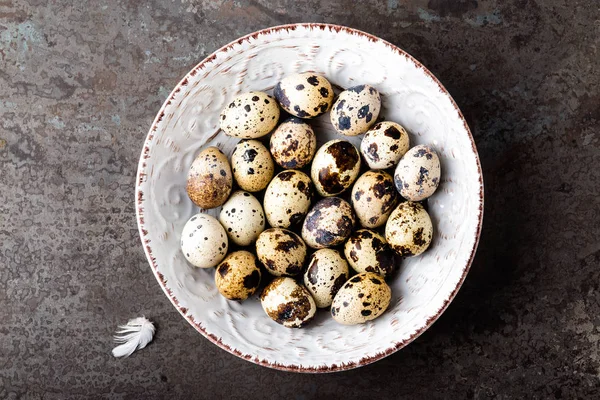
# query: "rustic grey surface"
(80, 83)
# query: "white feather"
(135, 335)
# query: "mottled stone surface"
(80, 83)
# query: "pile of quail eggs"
(318, 233)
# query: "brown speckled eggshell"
(368, 251)
(384, 145)
(238, 276)
(362, 298)
(409, 229)
(250, 115)
(253, 167)
(335, 167)
(209, 179)
(281, 251)
(373, 198)
(288, 303)
(287, 199)
(243, 218)
(417, 175)
(305, 95)
(204, 242)
(293, 144)
(355, 110)
(328, 223)
(326, 273)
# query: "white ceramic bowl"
(188, 121)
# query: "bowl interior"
(189, 121)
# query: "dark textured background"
(80, 84)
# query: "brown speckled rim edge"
(139, 198)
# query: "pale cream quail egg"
(288, 303)
(409, 229)
(417, 175)
(384, 145)
(363, 298)
(305, 95)
(356, 110)
(373, 198)
(250, 115)
(253, 167)
(287, 198)
(326, 273)
(203, 241)
(367, 251)
(243, 218)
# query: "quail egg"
(373, 198)
(253, 167)
(287, 198)
(384, 145)
(335, 167)
(417, 175)
(305, 95)
(203, 241)
(288, 303)
(326, 273)
(409, 229)
(281, 251)
(238, 276)
(250, 115)
(293, 144)
(243, 218)
(362, 298)
(328, 223)
(367, 251)
(356, 110)
(209, 180)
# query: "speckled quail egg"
(367, 251)
(373, 198)
(356, 110)
(293, 144)
(287, 198)
(209, 179)
(281, 251)
(335, 167)
(362, 298)
(288, 303)
(409, 229)
(238, 276)
(203, 241)
(417, 175)
(384, 145)
(243, 218)
(305, 95)
(253, 167)
(326, 273)
(328, 223)
(250, 115)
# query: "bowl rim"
(139, 198)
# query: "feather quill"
(135, 335)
